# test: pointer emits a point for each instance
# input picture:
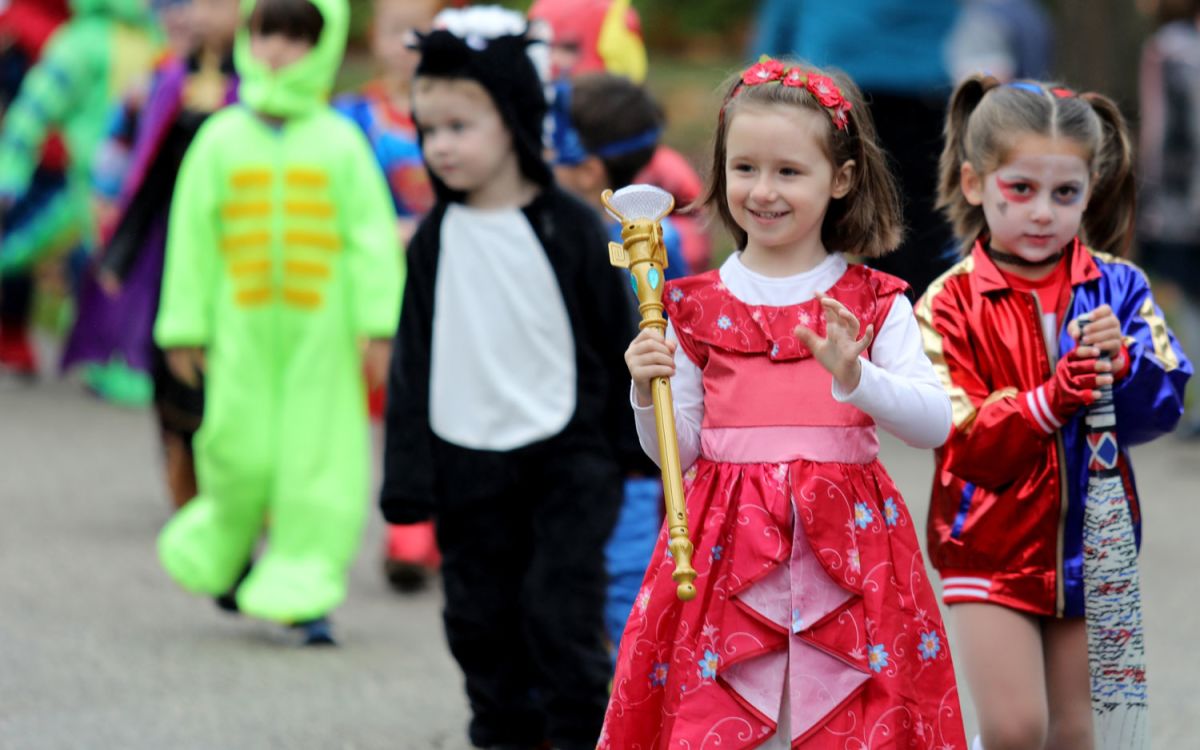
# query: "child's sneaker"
(318, 632)
(119, 384)
(16, 352)
(411, 556)
(227, 602)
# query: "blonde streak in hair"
(1108, 221)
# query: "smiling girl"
(1038, 183)
(815, 625)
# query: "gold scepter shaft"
(642, 252)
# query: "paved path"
(99, 650)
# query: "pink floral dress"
(810, 578)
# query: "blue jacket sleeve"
(677, 265)
(1149, 398)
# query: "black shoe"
(227, 602)
(318, 632)
(406, 577)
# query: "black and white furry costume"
(508, 422)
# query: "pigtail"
(967, 220)
(1108, 221)
(868, 220)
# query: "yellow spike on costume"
(247, 240)
(304, 298)
(320, 240)
(250, 178)
(623, 51)
(306, 268)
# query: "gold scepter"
(640, 209)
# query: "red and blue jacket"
(1006, 515)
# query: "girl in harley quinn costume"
(1037, 181)
(815, 625)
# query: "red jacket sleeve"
(991, 440)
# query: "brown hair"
(1167, 11)
(607, 109)
(868, 220)
(985, 117)
(298, 20)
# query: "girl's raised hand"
(649, 356)
(1103, 331)
(838, 352)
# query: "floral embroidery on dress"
(658, 677)
(930, 646)
(863, 515)
(890, 512)
(877, 657)
(724, 323)
(676, 294)
(708, 665)
(854, 560)
(643, 600)
(715, 553)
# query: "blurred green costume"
(282, 257)
(89, 63)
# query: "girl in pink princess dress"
(815, 625)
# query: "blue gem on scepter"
(633, 279)
(653, 276)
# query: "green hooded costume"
(282, 258)
(89, 63)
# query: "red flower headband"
(823, 88)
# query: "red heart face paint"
(1034, 201)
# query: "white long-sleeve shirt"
(898, 387)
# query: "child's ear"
(843, 179)
(971, 183)
(594, 173)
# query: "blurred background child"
(1169, 210)
(25, 26)
(382, 108)
(118, 297)
(606, 130)
(507, 415)
(91, 59)
(282, 284)
(593, 36)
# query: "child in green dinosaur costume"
(283, 272)
(89, 62)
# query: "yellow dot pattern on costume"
(290, 209)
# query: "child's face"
(216, 21)
(585, 180)
(778, 178)
(465, 140)
(392, 31)
(277, 51)
(1035, 200)
(177, 21)
(565, 54)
